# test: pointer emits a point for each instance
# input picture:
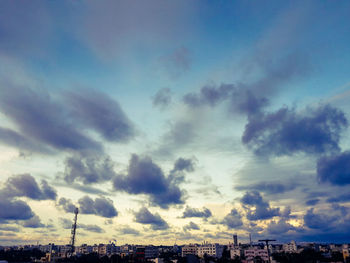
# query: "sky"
(174, 121)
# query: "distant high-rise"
(235, 240)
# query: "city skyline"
(174, 121)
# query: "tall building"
(235, 240)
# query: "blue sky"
(174, 120)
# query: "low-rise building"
(346, 252)
(190, 249)
(252, 253)
(236, 252)
(213, 250)
(290, 247)
(151, 252)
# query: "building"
(346, 252)
(235, 240)
(84, 249)
(140, 254)
(290, 247)
(190, 249)
(236, 252)
(213, 250)
(252, 253)
(151, 252)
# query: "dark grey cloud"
(88, 169)
(312, 202)
(83, 188)
(126, 230)
(14, 210)
(66, 204)
(31, 110)
(191, 226)
(91, 228)
(279, 227)
(286, 132)
(183, 164)
(257, 208)
(144, 216)
(146, 177)
(195, 212)
(65, 223)
(233, 219)
(33, 222)
(101, 113)
(209, 95)
(101, 206)
(26, 185)
(339, 199)
(249, 97)
(319, 221)
(334, 169)
(13, 138)
(162, 98)
(269, 187)
(9, 228)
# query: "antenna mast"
(74, 228)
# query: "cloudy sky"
(170, 121)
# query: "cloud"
(312, 202)
(209, 95)
(101, 113)
(65, 223)
(109, 28)
(257, 208)
(195, 212)
(88, 168)
(183, 164)
(144, 216)
(177, 62)
(91, 228)
(66, 205)
(33, 222)
(9, 228)
(191, 226)
(14, 210)
(126, 230)
(181, 133)
(233, 219)
(334, 169)
(33, 38)
(162, 98)
(319, 221)
(339, 198)
(279, 227)
(13, 138)
(31, 110)
(269, 187)
(146, 177)
(101, 206)
(25, 185)
(84, 188)
(286, 132)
